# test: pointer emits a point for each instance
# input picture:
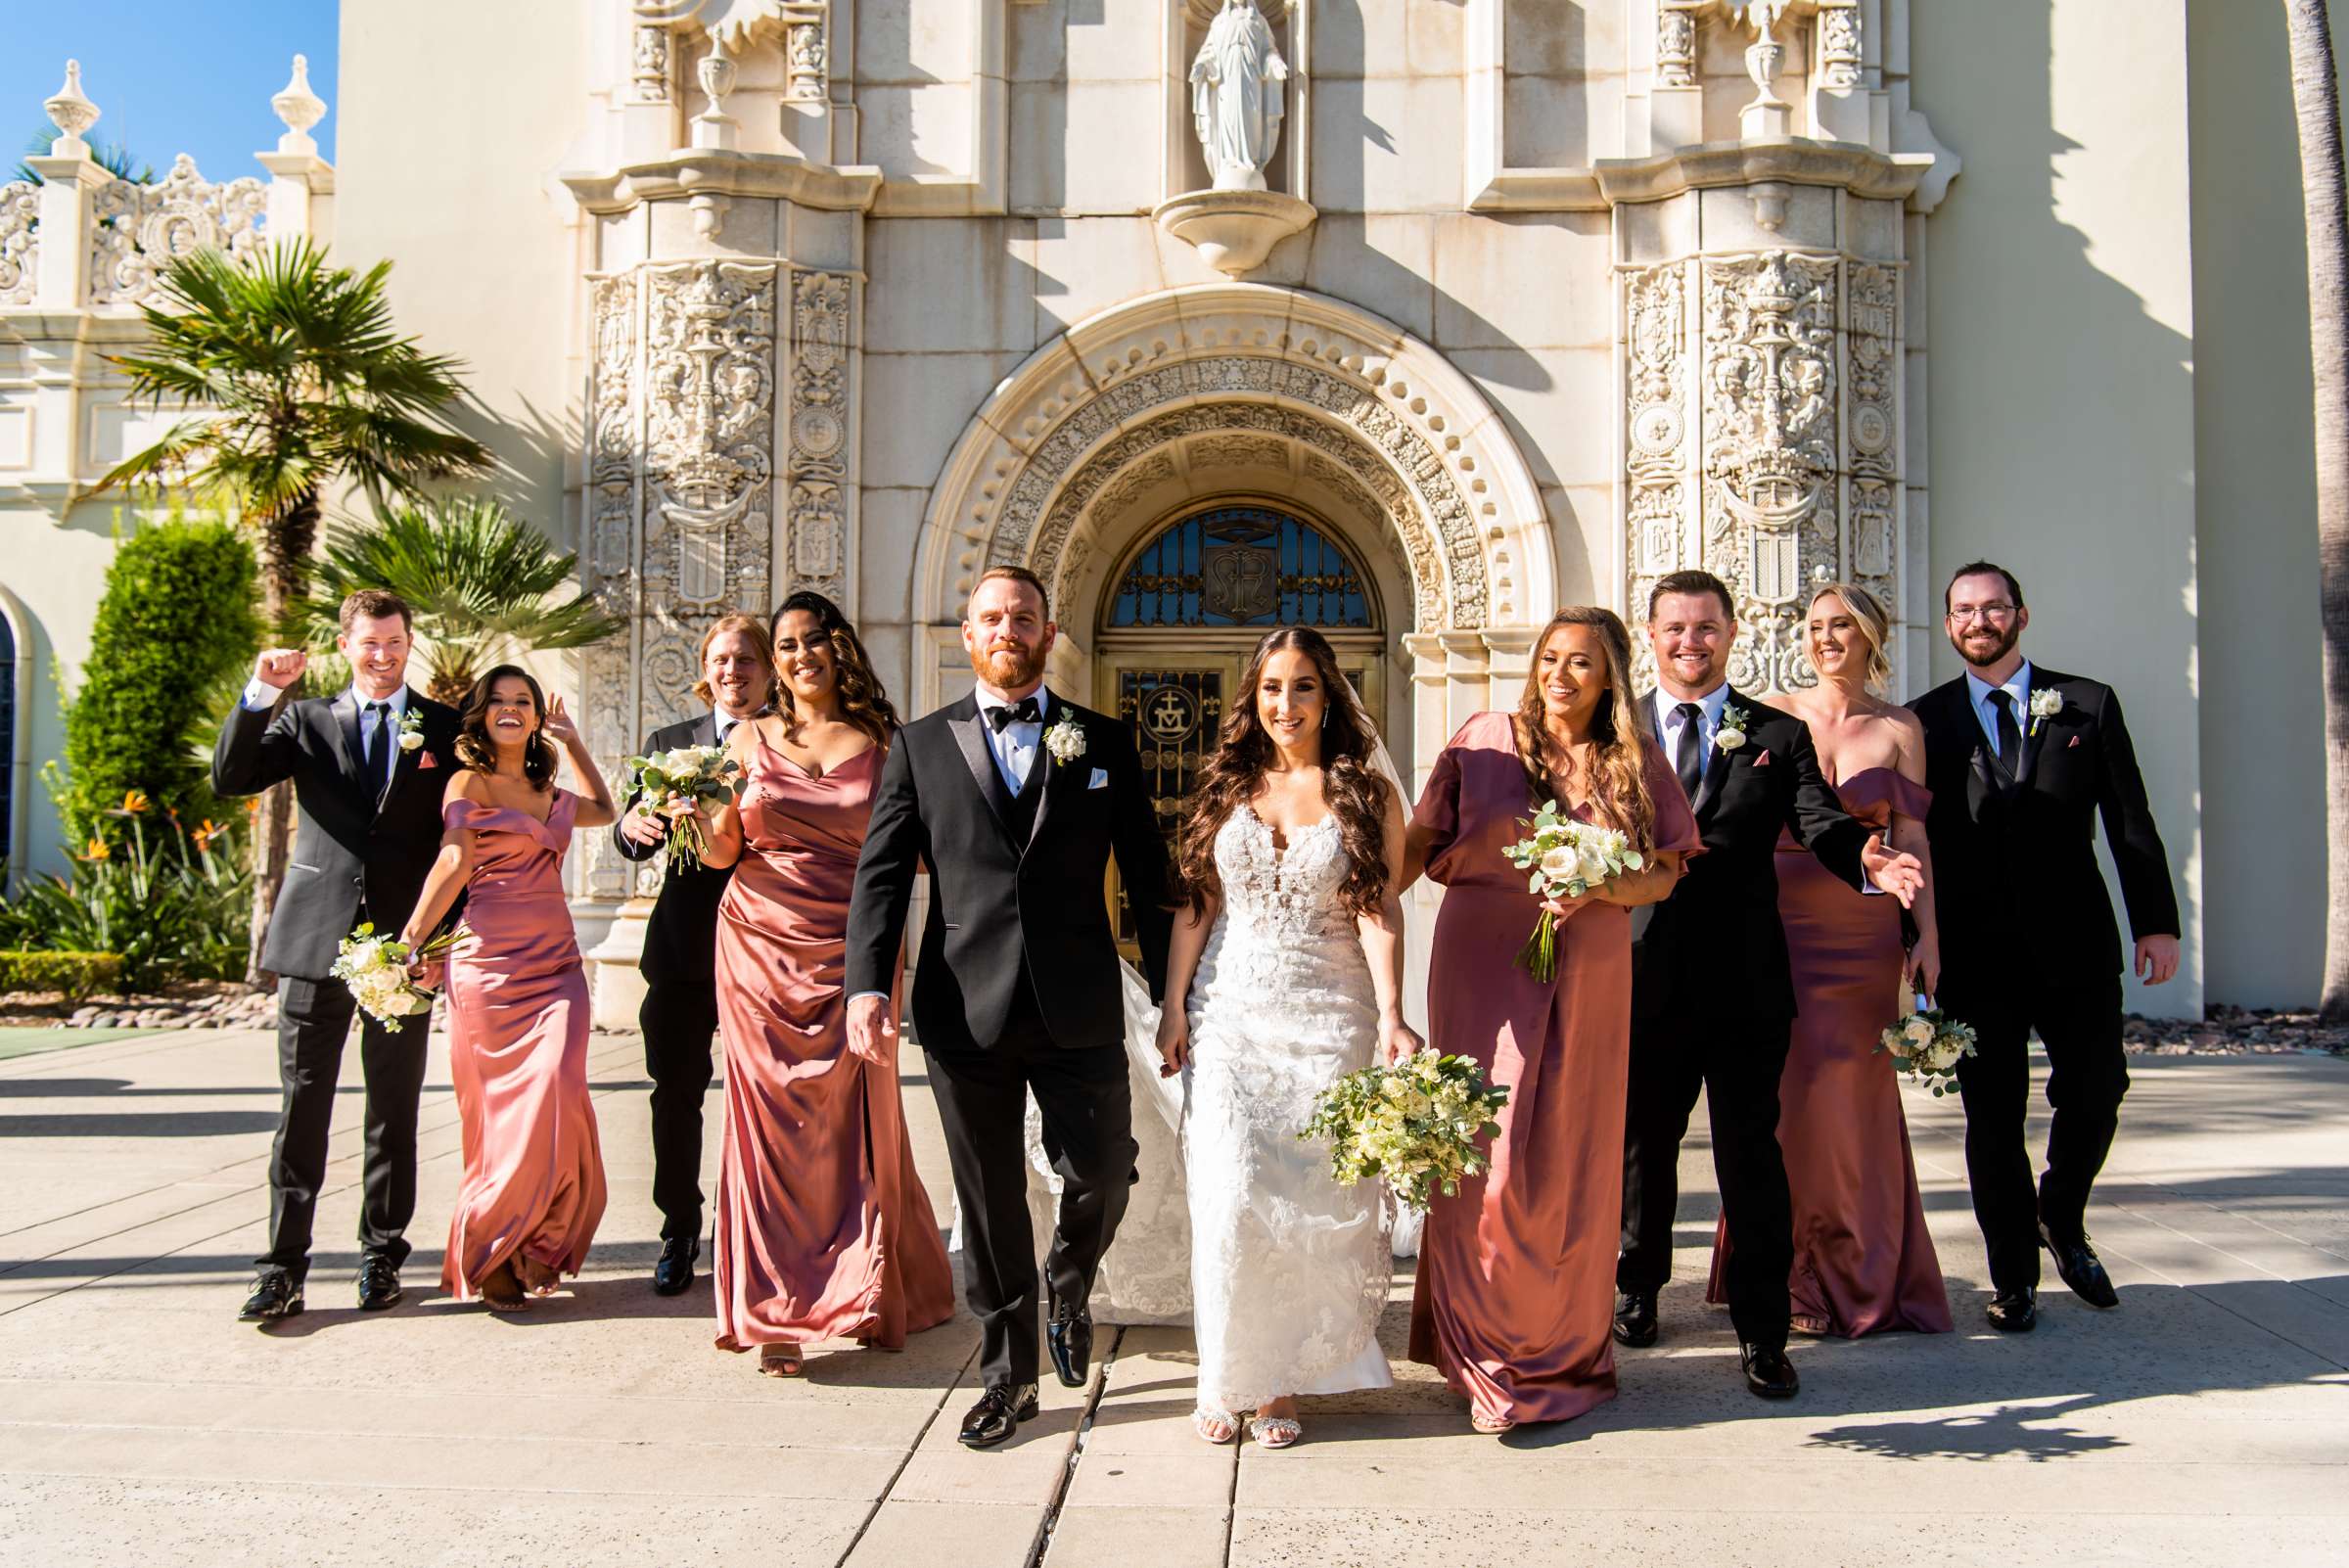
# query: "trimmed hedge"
(76, 974)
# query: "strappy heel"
(1275, 1431)
(783, 1358)
(1215, 1424)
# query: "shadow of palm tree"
(2011, 1431)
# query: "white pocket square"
(1099, 780)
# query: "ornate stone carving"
(137, 230)
(1656, 426)
(1239, 452)
(20, 240)
(648, 65)
(614, 442)
(807, 54)
(1676, 45)
(1872, 347)
(1237, 98)
(820, 412)
(1839, 49)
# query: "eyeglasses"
(1995, 614)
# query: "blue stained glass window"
(1242, 566)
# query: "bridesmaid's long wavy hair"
(863, 701)
(478, 751)
(1619, 771)
(1351, 782)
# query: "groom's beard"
(1008, 668)
(1983, 651)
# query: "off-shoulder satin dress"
(517, 1053)
(1864, 1260)
(1516, 1291)
(823, 1228)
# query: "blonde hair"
(1875, 627)
(761, 643)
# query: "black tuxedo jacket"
(354, 857)
(680, 937)
(1716, 944)
(998, 905)
(2014, 854)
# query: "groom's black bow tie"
(1023, 712)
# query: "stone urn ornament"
(1238, 98)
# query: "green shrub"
(76, 974)
(177, 617)
(170, 905)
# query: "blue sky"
(168, 76)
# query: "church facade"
(1409, 319)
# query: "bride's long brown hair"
(1619, 769)
(1351, 782)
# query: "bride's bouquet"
(1926, 1047)
(668, 783)
(1564, 859)
(1413, 1124)
(376, 969)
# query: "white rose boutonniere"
(411, 730)
(1065, 740)
(1731, 733)
(2045, 704)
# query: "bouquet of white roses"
(1564, 859)
(376, 969)
(667, 784)
(1927, 1046)
(1413, 1124)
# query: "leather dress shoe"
(379, 1285)
(1070, 1338)
(997, 1414)
(2014, 1312)
(1635, 1320)
(674, 1273)
(2077, 1265)
(275, 1294)
(1768, 1371)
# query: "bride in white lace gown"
(1290, 956)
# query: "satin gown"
(1864, 1260)
(1516, 1289)
(517, 1053)
(823, 1228)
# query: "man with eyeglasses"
(2021, 760)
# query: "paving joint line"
(881, 1501)
(1068, 1472)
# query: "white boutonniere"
(1065, 740)
(1731, 733)
(2046, 703)
(411, 730)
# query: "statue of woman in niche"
(1236, 97)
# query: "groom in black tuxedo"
(1015, 799)
(2021, 760)
(368, 765)
(1712, 993)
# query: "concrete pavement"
(2205, 1421)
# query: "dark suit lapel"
(403, 763)
(1716, 764)
(1046, 765)
(969, 738)
(2034, 730)
(344, 711)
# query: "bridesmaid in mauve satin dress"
(1864, 1260)
(1514, 1301)
(534, 1187)
(823, 1228)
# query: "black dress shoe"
(997, 1414)
(1767, 1372)
(1635, 1320)
(379, 1285)
(2014, 1312)
(2077, 1265)
(275, 1294)
(1070, 1338)
(674, 1273)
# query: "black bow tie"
(1023, 712)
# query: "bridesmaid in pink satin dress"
(1864, 1260)
(823, 1228)
(1515, 1295)
(534, 1187)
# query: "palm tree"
(113, 157)
(2316, 97)
(481, 583)
(292, 381)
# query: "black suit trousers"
(679, 1017)
(1087, 1111)
(2078, 1021)
(1736, 1061)
(313, 1018)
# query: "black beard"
(2007, 641)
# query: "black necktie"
(1023, 712)
(379, 748)
(2010, 739)
(1688, 752)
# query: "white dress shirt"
(1986, 712)
(1014, 746)
(1669, 721)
